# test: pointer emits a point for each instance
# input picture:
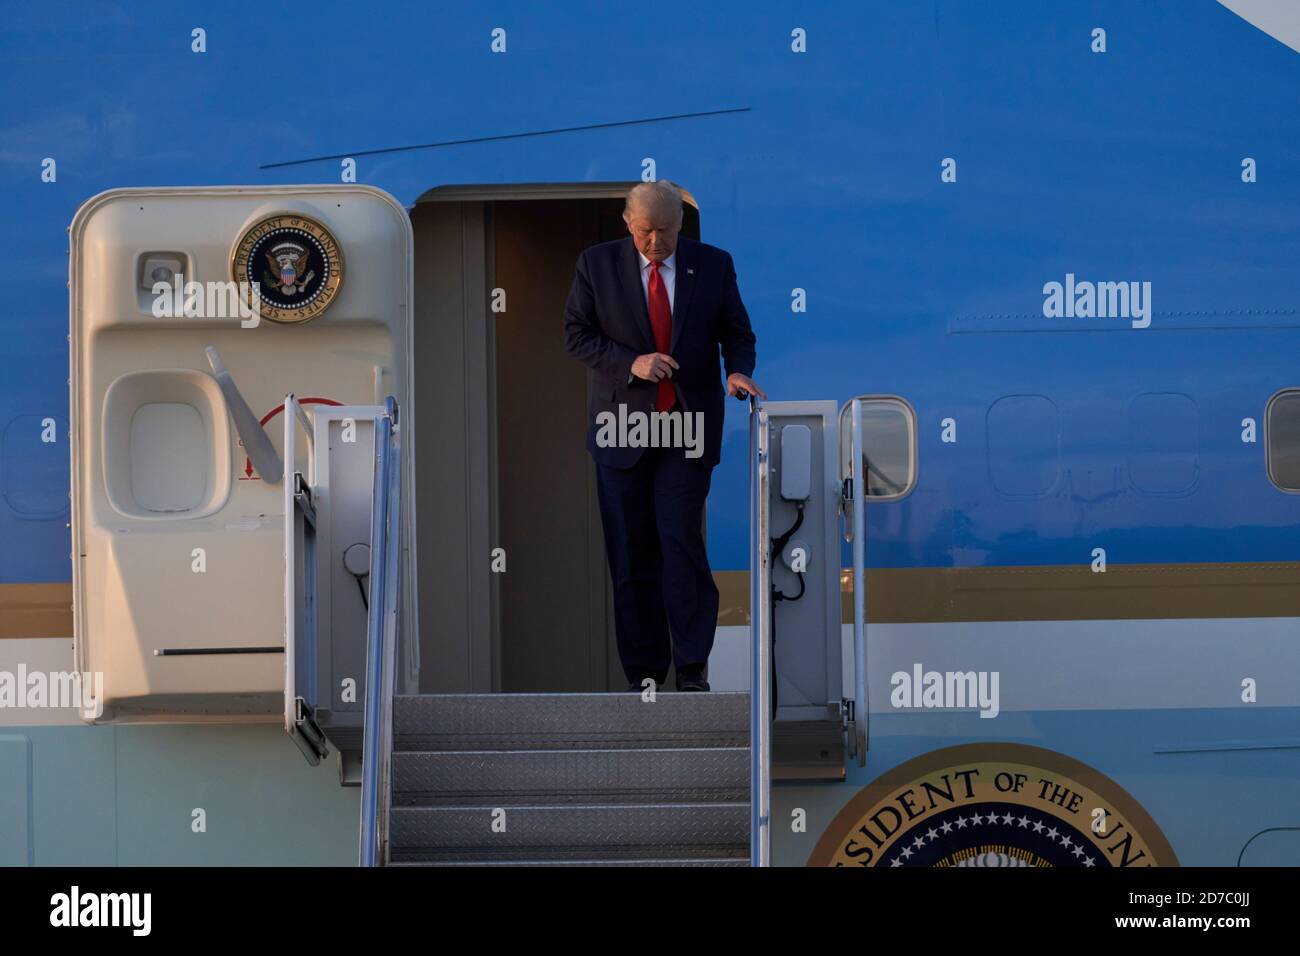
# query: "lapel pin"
(690, 272)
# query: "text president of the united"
(649, 315)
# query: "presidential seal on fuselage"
(292, 264)
(993, 805)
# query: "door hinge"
(850, 731)
(307, 733)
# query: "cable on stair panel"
(778, 546)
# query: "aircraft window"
(1282, 439)
(888, 443)
(1023, 433)
(1163, 443)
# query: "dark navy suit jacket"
(607, 325)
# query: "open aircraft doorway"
(505, 478)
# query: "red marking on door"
(248, 462)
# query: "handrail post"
(392, 632)
(381, 640)
(760, 697)
(861, 711)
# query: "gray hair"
(659, 196)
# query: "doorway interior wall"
(500, 460)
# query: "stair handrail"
(760, 654)
(381, 639)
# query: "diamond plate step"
(582, 832)
(496, 778)
(444, 722)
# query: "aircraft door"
(193, 312)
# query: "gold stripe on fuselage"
(1056, 593)
(923, 595)
(35, 610)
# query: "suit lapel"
(684, 286)
(629, 274)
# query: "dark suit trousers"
(653, 516)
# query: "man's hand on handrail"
(742, 386)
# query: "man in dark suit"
(648, 315)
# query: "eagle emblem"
(292, 264)
(288, 262)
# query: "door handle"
(257, 443)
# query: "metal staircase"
(529, 779)
(566, 779)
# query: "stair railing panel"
(381, 639)
(760, 655)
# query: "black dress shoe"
(692, 679)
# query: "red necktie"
(661, 320)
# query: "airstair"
(600, 779)
(657, 778)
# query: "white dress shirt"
(667, 272)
